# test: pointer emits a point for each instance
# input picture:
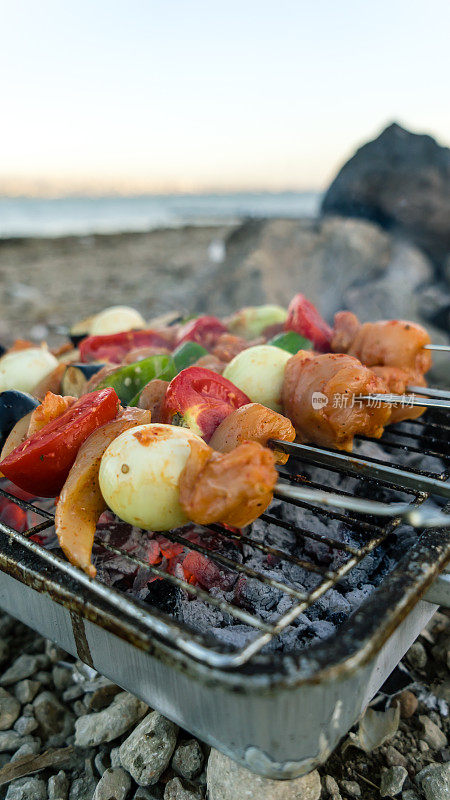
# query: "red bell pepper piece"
(203, 330)
(114, 347)
(304, 318)
(200, 399)
(41, 464)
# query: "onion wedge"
(80, 502)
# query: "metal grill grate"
(427, 437)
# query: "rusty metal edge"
(356, 643)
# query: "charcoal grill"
(278, 714)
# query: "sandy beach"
(52, 282)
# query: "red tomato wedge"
(114, 347)
(304, 318)
(203, 330)
(41, 464)
(200, 399)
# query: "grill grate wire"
(373, 472)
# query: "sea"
(30, 217)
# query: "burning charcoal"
(113, 785)
(201, 616)
(188, 759)
(9, 710)
(227, 780)
(357, 596)
(58, 786)
(27, 789)
(200, 569)
(147, 752)
(164, 596)
(256, 596)
(107, 725)
(23, 667)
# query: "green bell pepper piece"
(187, 354)
(291, 341)
(129, 380)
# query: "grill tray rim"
(354, 644)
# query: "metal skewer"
(407, 400)
(416, 517)
(427, 391)
(445, 348)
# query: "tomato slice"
(203, 330)
(41, 464)
(304, 318)
(200, 399)
(114, 347)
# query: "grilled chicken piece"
(228, 346)
(396, 381)
(319, 397)
(152, 397)
(256, 423)
(387, 343)
(233, 488)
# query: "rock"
(112, 722)
(176, 791)
(27, 749)
(401, 180)
(423, 746)
(54, 652)
(26, 690)
(23, 667)
(410, 794)
(73, 693)
(9, 710)
(26, 724)
(188, 759)
(352, 788)
(432, 735)
(79, 708)
(83, 788)
(4, 652)
(146, 753)
(115, 757)
(434, 780)
(227, 780)
(113, 785)
(102, 695)
(417, 656)
(102, 761)
(27, 789)
(331, 788)
(394, 758)
(9, 741)
(392, 781)
(408, 703)
(58, 786)
(148, 793)
(52, 717)
(44, 677)
(62, 677)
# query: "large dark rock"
(400, 180)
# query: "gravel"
(23, 667)
(9, 710)
(188, 759)
(27, 789)
(58, 786)
(146, 753)
(392, 781)
(104, 726)
(113, 785)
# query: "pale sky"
(188, 95)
